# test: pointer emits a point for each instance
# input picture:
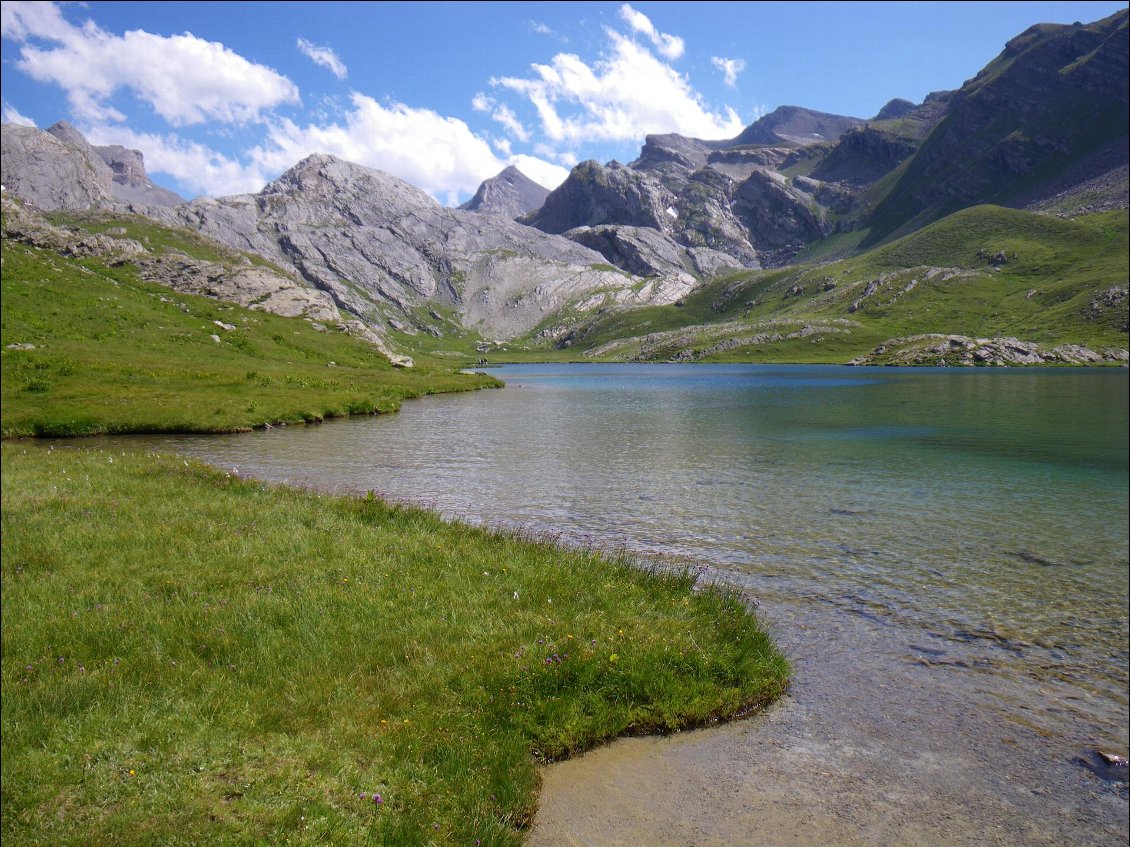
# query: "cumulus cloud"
(730, 69)
(185, 79)
(622, 97)
(12, 116)
(324, 57)
(669, 46)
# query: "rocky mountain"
(59, 169)
(1046, 117)
(388, 253)
(50, 173)
(228, 276)
(511, 194)
(378, 248)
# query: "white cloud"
(623, 97)
(501, 113)
(540, 29)
(669, 46)
(12, 116)
(540, 171)
(730, 69)
(193, 165)
(185, 79)
(22, 20)
(509, 120)
(324, 57)
(441, 155)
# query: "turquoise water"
(984, 512)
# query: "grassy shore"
(191, 658)
(97, 350)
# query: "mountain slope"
(1050, 110)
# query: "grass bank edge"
(319, 647)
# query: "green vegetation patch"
(89, 348)
(192, 658)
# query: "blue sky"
(222, 97)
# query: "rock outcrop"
(511, 194)
(50, 173)
(598, 195)
(962, 350)
(895, 108)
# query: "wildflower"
(378, 799)
(132, 772)
(515, 595)
(613, 657)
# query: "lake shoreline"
(885, 709)
(850, 757)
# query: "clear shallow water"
(978, 518)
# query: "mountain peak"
(509, 193)
(65, 132)
(794, 125)
(896, 108)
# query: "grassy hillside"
(89, 348)
(982, 272)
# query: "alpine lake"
(942, 553)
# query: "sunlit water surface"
(981, 514)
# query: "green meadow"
(191, 658)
